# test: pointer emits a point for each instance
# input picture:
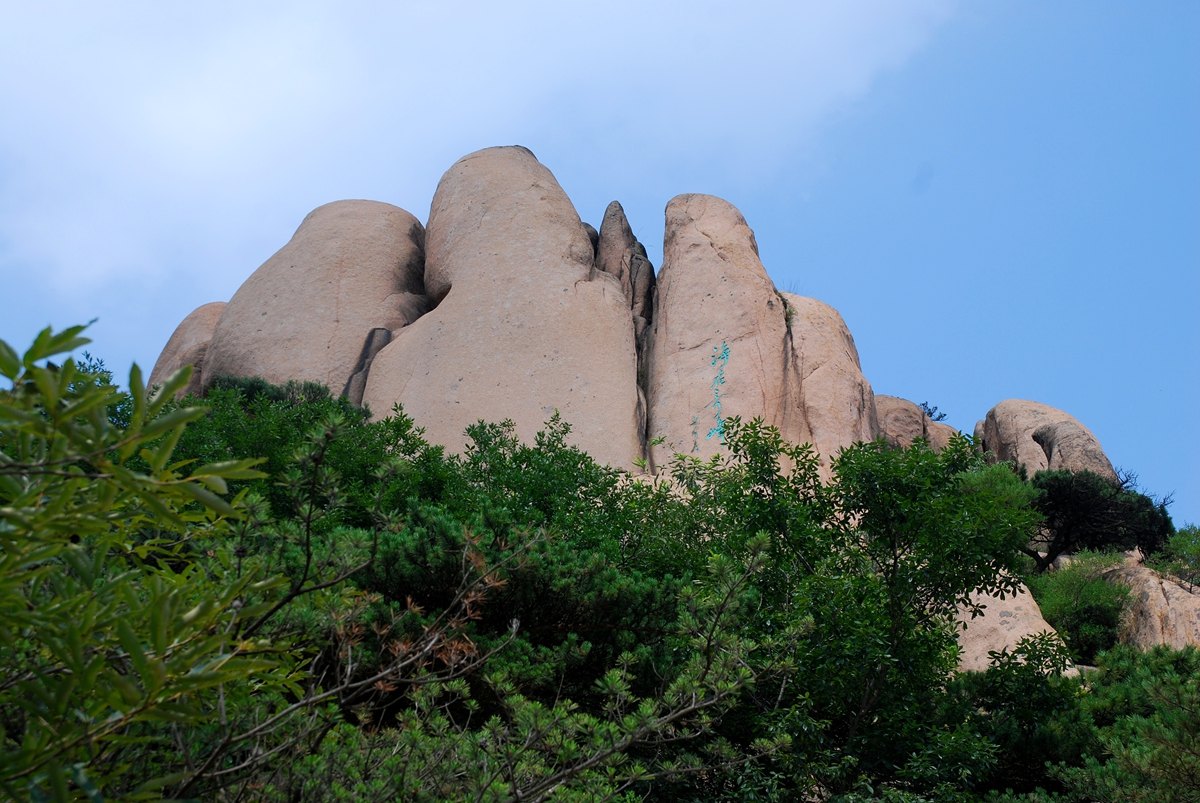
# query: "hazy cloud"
(147, 137)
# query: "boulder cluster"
(505, 305)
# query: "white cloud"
(147, 138)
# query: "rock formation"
(510, 307)
(901, 422)
(352, 267)
(189, 346)
(1162, 610)
(716, 347)
(1004, 623)
(523, 324)
(619, 254)
(1039, 437)
(828, 401)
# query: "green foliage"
(1147, 709)
(147, 649)
(863, 579)
(1081, 604)
(529, 749)
(1181, 556)
(1030, 713)
(251, 417)
(105, 626)
(372, 618)
(932, 412)
(1082, 510)
(916, 533)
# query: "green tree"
(917, 533)
(1181, 557)
(1029, 711)
(1147, 710)
(863, 580)
(104, 625)
(1082, 510)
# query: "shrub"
(1181, 557)
(108, 631)
(1081, 605)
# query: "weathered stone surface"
(1039, 437)
(724, 342)
(1067, 444)
(616, 248)
(524, 325)
(643, 279)
(374, 343)
(351, 267)
(828, 401)
(939, 434)
(716, 344)
(188, 346)
(619, 254)
(901, 422)
(593, 237)
(1003, 623)
(1162, 610)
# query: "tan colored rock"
(1003, 623)
(616, 247)
(188, 346)
(939, 434)
(524, 325)
(829, 403)
(724, 343)
(642, 275)
(901, 422)
(1162, 610)
(1039, 437)
(1068, 445)
(350, 268)
(620, 254)
(716, 344)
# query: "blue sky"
(1002, 199)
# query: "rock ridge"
(506, 305)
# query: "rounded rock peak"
(1040, 437)
(697, 217)
(188, 345)
(352, 267)
(353, 206)
(515, 150)
(502, 200)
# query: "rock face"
(901, 422)
(523, 326)
(619, 254)
(1002, 625)
(828, 401)
(510, 307)
(716, 347)
(189, 346)
(1162, 610)
(1039, 437)
(351, 267)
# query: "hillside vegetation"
(263, 595)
